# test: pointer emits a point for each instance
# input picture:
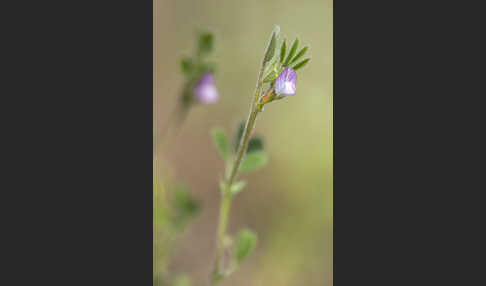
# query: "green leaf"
(205, 43)
(283, 50)
(245, 243)
(301, 64)
(293, 49)
(184, 206)
(237, 187)
(187, 66)
(255, 144)
(271, 72)
(221, 143)
(299, 55)
(253, 161)
(270, 50)
(239, 133)
(270, 77)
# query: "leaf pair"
(255, 143)
(254, 158)
(292, 57)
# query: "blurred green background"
(289, 202)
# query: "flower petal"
(285, 82)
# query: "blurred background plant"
(174, 209)
(289, 202)
(199, 87)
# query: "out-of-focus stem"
(174, 123)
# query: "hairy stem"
(226, 196)
(250, 124)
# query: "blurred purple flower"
(205, 90)
(285, 82)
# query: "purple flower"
(205, 89)
(285, 82)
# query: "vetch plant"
(199, 87)
(278, 72)
(174, 208)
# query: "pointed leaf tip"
(301, 64)
(299, 55)
(272, 44)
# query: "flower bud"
(205, 89)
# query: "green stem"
(223, 223)
(250, 124)
(226, 194)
